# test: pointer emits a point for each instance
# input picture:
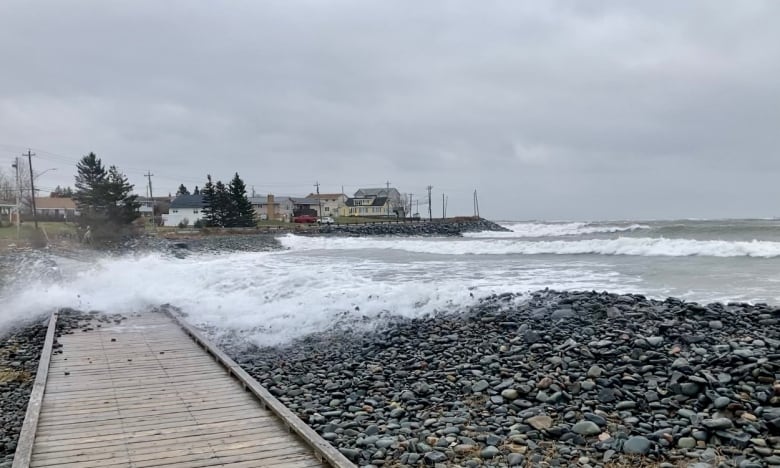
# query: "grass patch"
(27, 232)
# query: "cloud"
(541, 106)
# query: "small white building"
(184, 207)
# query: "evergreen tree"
(244, 214)
(223, 206)
(182, 190)
(196, 191)
(209, 200)
(104, 198)
(122, 204)
(90, 186)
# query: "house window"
(327, 209)
(195, 211)
(175, 211)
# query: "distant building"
(8, 210)
(374, 202)
(55, 208)
(369, 207)
(331, 203)
(184, 207)
(284, 209)
(273, 208)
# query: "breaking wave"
(638, 246)
(556, 230)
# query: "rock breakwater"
(455, 227)
(584, 378)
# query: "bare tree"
(7, 186)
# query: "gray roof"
(377, 192)
(264, 199)
(279, 199)
(304, 201)
(378, 201)
(188, 201)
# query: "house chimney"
(271, 208)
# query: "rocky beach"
(20, 351)
(560, 379)
(399, 345)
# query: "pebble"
(586, 428)
(653, 380)
(637, 445)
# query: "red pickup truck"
(304, 219)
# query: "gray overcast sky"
(550, 109)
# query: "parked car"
(304, 219)
(326, 220)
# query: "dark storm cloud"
(549, 109)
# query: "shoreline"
(567, 377)
(594, 379)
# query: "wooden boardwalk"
(143, 393)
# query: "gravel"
(506, 384)
(20, 352)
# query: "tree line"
(224, 205)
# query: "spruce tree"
(122, 205)
(182, 190)
(224, 210)
(90, 187)
(244, 214)
(196, 191)
(209, 200)
(104, 198)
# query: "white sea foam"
(639, 246)
(555, 230)
(275, 297)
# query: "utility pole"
(32, 188)
(388, 199)
(319, 201)
(476, 205)
(18, 200)
(430, 212)
(443, 209)
(148, 176)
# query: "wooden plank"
(95, 408)
(129, 414)
(129, 433)
(125, 404)
(194, 448)
(26, 439)
(320, 445)
(141, 400)
(156, 435)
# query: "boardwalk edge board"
(322, 448)
(24, 446)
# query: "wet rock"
(586, 428)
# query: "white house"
(330, 202)
(184, 207)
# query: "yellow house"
(368, 206)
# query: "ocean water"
(316, 282)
